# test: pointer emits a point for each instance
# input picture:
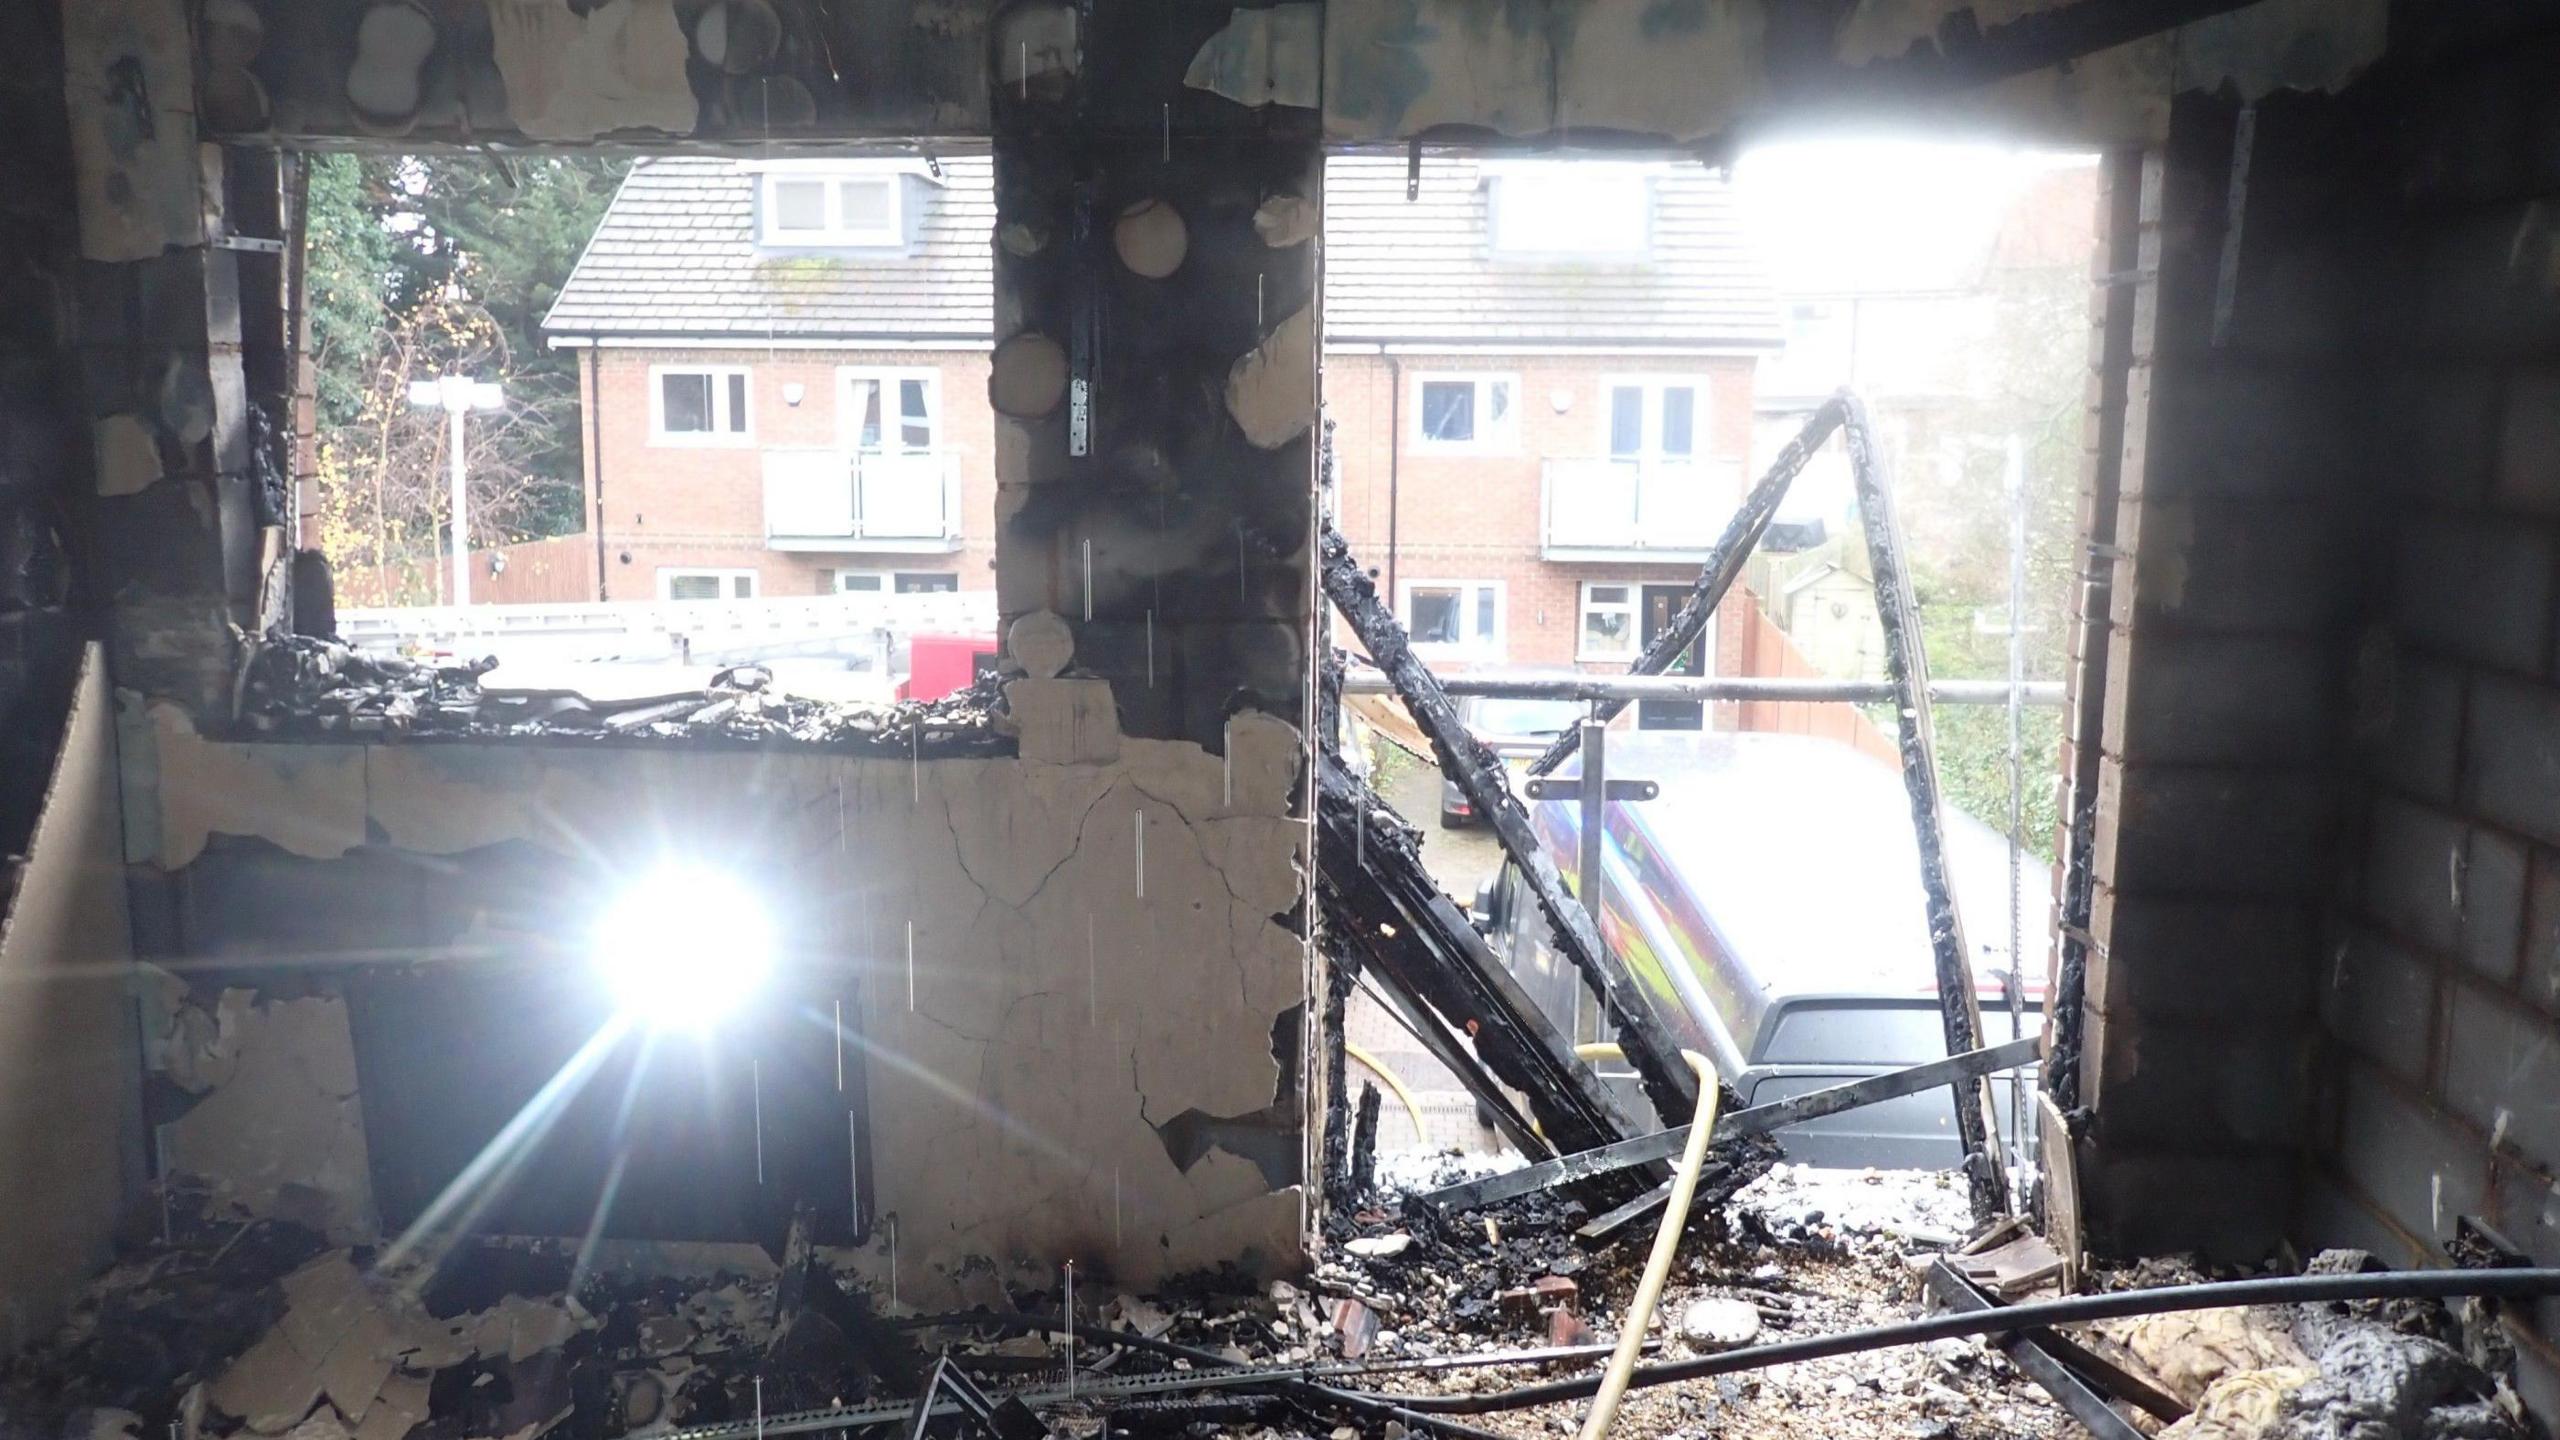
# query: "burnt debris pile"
(302, 686)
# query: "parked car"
(1518, 730)
(1768, 906)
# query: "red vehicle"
(938, 665)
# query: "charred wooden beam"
(1907, 666)
(1758, 1120)
(1478, 774)
(1724, 565)
(1379, 901)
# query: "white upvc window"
(897, 582)
(676, 584)
(889, 412)
(1656, 417)
(1453, 619)
(1608, 627)
(1466, 412)
(700, 405)
(836, 211)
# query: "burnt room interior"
(1013, 1100)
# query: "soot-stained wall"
(1071, 981)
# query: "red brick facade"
(1477, 516)
(700, 505)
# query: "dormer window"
(1569, 209)
(834, 211)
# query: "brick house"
(785, 378)
(1540, 377)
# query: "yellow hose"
(1598, 1050)
(1657, 1266)
(1412, 1107)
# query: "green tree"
(393, 236)
(351, 272)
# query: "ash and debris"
(1799, 1252)
(230, 1331)
(302, 686)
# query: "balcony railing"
(1643, 509)
(841, 500)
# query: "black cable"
(2114, 1305)
(1383, 1407)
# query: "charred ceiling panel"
(1039, 963)
(515, 71)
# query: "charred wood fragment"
(1478, 774)
(1380, 905)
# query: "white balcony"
(1635, 510)
(906, 503)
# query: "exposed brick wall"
(2325, 974)
(2439, 1084)
(2234, 605)
(702, 506)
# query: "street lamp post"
(457, 396)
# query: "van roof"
(1799, 853)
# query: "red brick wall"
(1476, 516)
(702, 506)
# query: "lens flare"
(684, 947)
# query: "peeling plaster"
(282, 1132)
(2283, 45)
(1887, 29)
(130, 71)
(128, 455)
(1625, 70)
(573, 76)
(1286, 220)
(1271, 392)
(1058, 1015)
(1271, 56)
(307, 799)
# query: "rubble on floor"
(303, 686)
(259, 1330)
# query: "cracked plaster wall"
(1099, 948)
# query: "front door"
(1661, 602)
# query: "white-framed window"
(1610, 622)
(699, 405)
(889, 412)
(833, 210)
(1459, 619)
(1466, 412)
(677, 584)
(1656, 417)
(897, 582)
(1570, 208)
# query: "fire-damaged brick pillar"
(1154, 375)
(181, 326)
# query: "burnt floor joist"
(1380, 904)
(1478, 774)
